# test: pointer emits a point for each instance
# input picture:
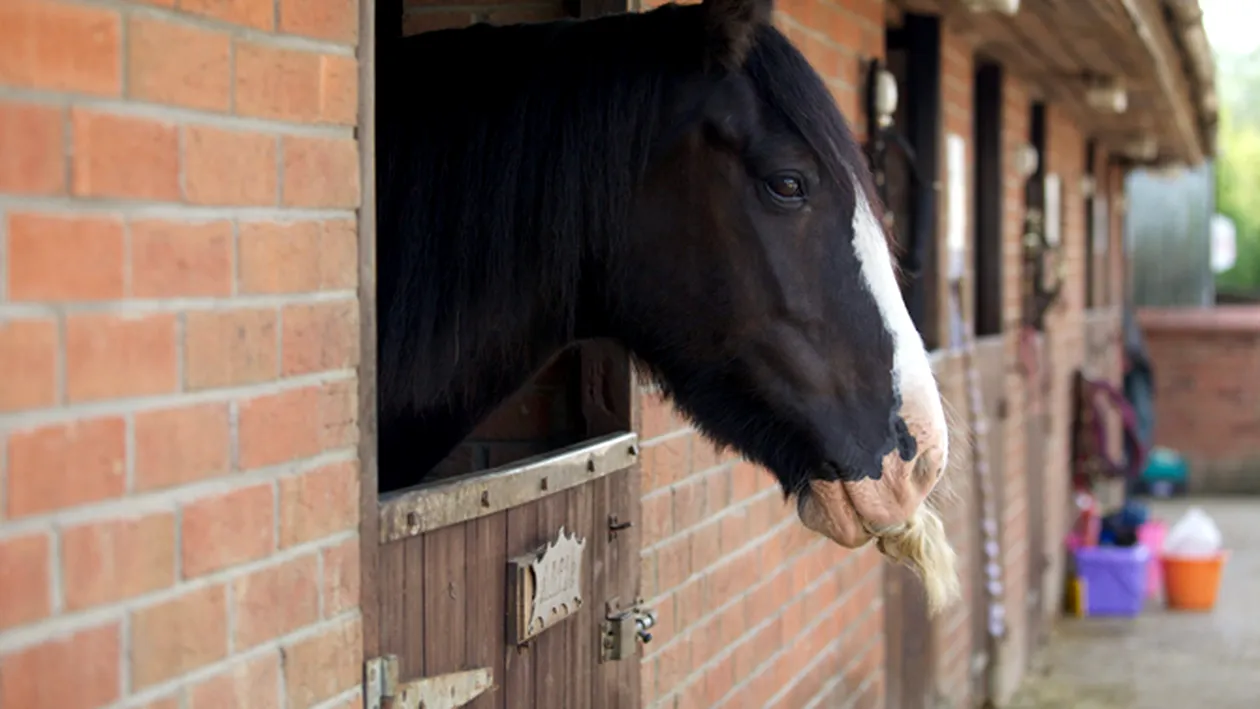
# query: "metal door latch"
(621, 631)
(383, 690)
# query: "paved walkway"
(1165, 660)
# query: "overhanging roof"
(1155, 49)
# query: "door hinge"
(382, 690)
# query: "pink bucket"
(1151, 535)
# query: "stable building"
(190, 512)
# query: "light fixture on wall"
(1026, 161)
(1006, 7)
(1088, 186)
(885, 97)
(1107, 97)
(1143, 149)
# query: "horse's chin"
(825, 508)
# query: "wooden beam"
(1164, 73)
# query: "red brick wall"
(1207, 392)
(186, 409)
(177, 413)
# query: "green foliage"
(1238, 166)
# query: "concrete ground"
(1164, 659)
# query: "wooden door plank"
(603, 675)
(583, 629)
(486, 566)
(624, 564)
(894, 637)
(445, 600)
(551, 645)
(392, 620)
(411, 594)
(518, 662)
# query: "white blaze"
(911, 372)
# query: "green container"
(1165, 465)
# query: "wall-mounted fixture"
(1026, 161)
(884, 96)
(1141, 149)
(1006, 7)
(1088, 186)
(1107, 98)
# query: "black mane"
(484, 264)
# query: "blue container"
(1165, 464)
(1114, 579)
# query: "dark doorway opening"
(987, 137)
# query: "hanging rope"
(963, 339)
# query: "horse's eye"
(786, 187)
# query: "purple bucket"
(1115, 579)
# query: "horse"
(678, 181)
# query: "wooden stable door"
(466, 564)
(507, 579)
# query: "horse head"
(759, 287)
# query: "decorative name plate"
(545, 586)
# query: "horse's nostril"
(906, 445)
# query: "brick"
(178, 636)
(295, 257)
(32, 149)
(689, 499)
(27, 558)
(320, 667)
(295, 424)
(659, 417)
(230, 348)
(77, 671)
(673, 562)
(275, 601)
(178, 446)
(339, 89)
(123, 156)
(277, 83)
(178, 64)
(104, 562)
(251, 684)
(28, 347)
(110, 356)
(705, 545)
(319, 337)
(320, 172)
(60, 47)
(181, 259)
(318, 503)
(228, 529)
(657, 513)
(64, 465)
(228, 167)
(341, 578)
(335, 20)
(666, 461)
(54, 258)
(259, 14)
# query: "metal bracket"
(621, 631)
(382, 689)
